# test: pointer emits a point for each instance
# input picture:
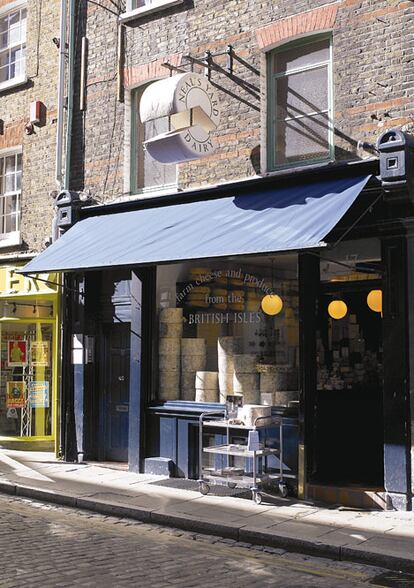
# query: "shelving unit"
(234, 476)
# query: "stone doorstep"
(364, 498)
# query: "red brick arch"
(145, 72)
(286, 29)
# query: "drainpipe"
(61, 94)
(72, 443)
(59, 185)
(63, 149)
(70, 92)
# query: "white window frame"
(271, 133)
(4, 11)
(150, 6)
(131, 152)
(13, 237)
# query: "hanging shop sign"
(39, 394)
(16, 353)
(16, 395)
(192, 106)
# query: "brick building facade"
(305, 89)
(372, 52)
(29, 63)
(39, 83)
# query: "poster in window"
(39, 394)
(16, 395)
(16, 353)
(39, 351)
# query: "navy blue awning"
(266, 221)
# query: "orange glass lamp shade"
(374, 300)
(337, 309)
(272, 304)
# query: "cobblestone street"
(44, 545)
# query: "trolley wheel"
(231, 485)
(283, 489)
(204, 488)
(257, 497)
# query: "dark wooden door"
(116, 392)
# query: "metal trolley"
(236, 477)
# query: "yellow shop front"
(29, 336)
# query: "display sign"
(39, 394)
(192, 106)
(39, 353)
(11, 282)
(234, 295)
(16, 353)
(16, 395)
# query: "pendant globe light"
(272, 304)
(374, 300)
(337, 309)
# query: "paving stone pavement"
(44, 545)
(378, 538)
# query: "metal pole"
(82, 97)
(68, 146)
(120, 64)
(200, 448)
(61, 94)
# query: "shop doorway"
(348, 407)
(116, 392)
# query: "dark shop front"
(285, 295)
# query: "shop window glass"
(349, 340)
(216, 343)
(13, 45)
(349, 360)
(26, 376)
(10, 189)
(300, 104)
(149, 174)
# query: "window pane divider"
(299, 116)
(13, 45)
(302, 69)
(13, 193)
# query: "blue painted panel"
(183, 440)
(134, 441)
(395, 467)
(78, 397)
(168, 438)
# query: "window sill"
(13, 83)
(11, 6)
(142, 193)
(142, 11)
(10, 239)
(299, 165)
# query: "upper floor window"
(137, 8)
(13, 46)
(134, 4)
(10, 191)
(138, 3)
(147, 173)
(300, 103)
